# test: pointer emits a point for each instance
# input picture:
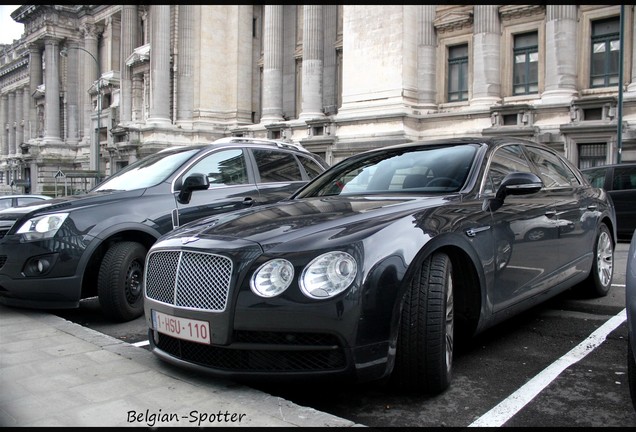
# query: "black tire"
(631, 372)
(599, 281)
(424, 353)
(119, 284)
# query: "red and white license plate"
(181, 328)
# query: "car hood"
(323, 217)
(68, 203)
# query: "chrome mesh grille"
(189, 279)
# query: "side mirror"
(193, 182)
(517, 183)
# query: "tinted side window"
(596, 177)
(312, 167)
(552, 170)
(25, 200)
(624, 178)
(225, 167)
(275, 166)
(506, 160)
(5, 203)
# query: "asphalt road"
(551, 366)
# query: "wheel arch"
(469, 284)
(146, 237)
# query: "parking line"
(512, 404)
(140, 344)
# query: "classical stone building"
(95, 87)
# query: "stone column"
(486, 64)
(185, 65)
(137, 97)
(19, 137)
(129, 41)
(72, 92)
(91, 74)
(4, 121)
(26, 114)
(11, 123)
(273, 64)
(312, 67)
(52, 95)
(160, 65)
(631, 88)
(35, 80)
(426, 58)
(560, 54)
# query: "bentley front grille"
(189, 279)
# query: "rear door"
(572, 203)
(279, 173)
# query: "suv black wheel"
(424, 353)
(119, 284)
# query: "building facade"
(88, 89)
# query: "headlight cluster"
(326, 276)
(42, 227)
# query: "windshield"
(148, 171)
(425, 169)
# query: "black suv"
(59, 251)
(619, 180)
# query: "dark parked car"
(377, 267)
(54, 254)
(619, 180)
(8, 201)
(630, 297)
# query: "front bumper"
(281, 343)
(58, 286)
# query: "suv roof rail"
(277, 143)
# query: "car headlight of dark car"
(42, 227)
(324, 277)
(272, 278)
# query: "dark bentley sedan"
(378, 266)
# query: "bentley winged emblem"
(186, 240)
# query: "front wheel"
(599, 281)
(424, 353)
(119, 284)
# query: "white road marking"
(140, 344)
(512, 404)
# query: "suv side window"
(624, 178)
(224, 167)
(276, 166)
(552, 170)
(311, 167)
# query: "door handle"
(550, 213)
(248, 201)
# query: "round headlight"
(328, 275)
(272, 278)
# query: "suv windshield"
(148, 171)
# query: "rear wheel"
(119, 284)
(425, 345)
(600, 279)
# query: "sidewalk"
(57, 373)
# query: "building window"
(605, 52)
(458, 73)
(592, 154)
(525, 76)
